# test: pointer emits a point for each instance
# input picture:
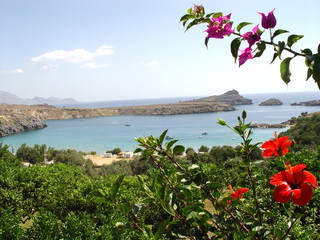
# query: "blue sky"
(95, 50)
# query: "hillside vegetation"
(72, 199)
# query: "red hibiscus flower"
(237, 194)
(277, 147)
(294, 184)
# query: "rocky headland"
(20, 118)
(271, 102)
(231, 97)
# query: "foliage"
(30, 154)
(115, 151)
(306, 130)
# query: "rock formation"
(231, 97)
(16, 123)
(271, 102)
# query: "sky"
(100, 50)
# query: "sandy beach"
(99, 161)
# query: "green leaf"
(170, 144)
(162, 136)
(261, 48)
(293, 39)
(281, 46)
(309, 73)
(275, 55)
(285, 70)
(184, 19)
(206, 41)
(235, 44)
(316, 70)
(178, 149)
(163, 225)
(307, 51)
(115, 187)
(278, 32)
(241, 25)
(216, 15)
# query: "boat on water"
(204, 133)
(169, 137)
(127, 124)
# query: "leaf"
(309, 73)
(115, 187)
(241, 25)
(316, 70)
(178, 149)
(235, 44)
(281, 46)
(261, 48)
(162, 136)
(285, 70)
(307, 51)
(163, 225)
(170, 144)
(278, 32)
(275, 55)
(185, 18)
(293, 39)
(206, 41)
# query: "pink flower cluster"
(219, 27)
(252, 37)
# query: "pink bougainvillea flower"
(198, 9)
(294, 184)
(245, 55)
(219, 27)
(268, 21)
(277, 147)
(237, 194)
(252, 37)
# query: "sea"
(101, 134)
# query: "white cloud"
(92, 65)
(150, 63)
(13, 71)
(72, 56)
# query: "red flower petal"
(310, 178)
(282, 193)
(239, 193)
(303, 195)
(280, 178)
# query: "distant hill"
(10, 98)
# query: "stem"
(287, 49)
(255, 194)
(289, 229)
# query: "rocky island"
(271, 102)
(20, 118)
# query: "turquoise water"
(105, 133)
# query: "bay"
(105, 133)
